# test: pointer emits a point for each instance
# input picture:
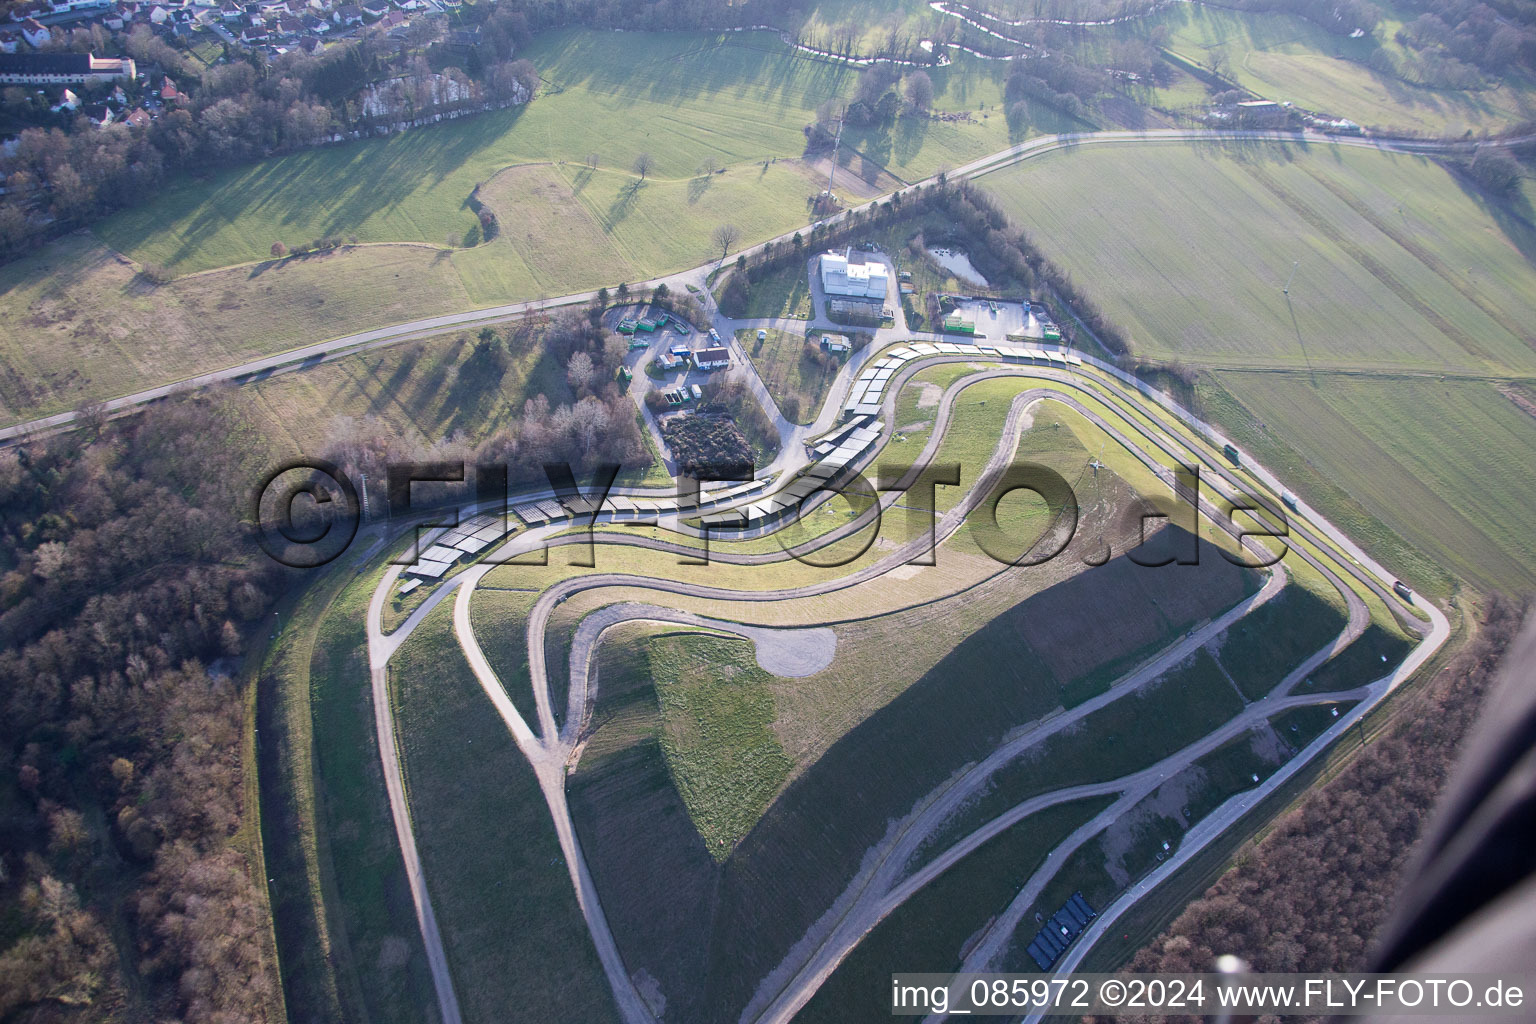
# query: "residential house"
(313, 24)
(69, 101)
(159, 15)
(169, 92)
(138, 119)
(375, 8)
(289, 27)
(712, 358)
(35, 33)
(348, 15)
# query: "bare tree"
(643, 164)
(725, 236)
(919, 90)
(578, 372)
(592, 160)
(709, 166)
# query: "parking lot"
(995, 321)
(660, 348)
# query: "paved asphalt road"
(310, 354)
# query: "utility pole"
(1287, 289)
(837, 141)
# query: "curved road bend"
(635, 1008)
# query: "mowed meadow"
(1289, 59)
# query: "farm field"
(797, 383)
(1434, 461)
(1384, 245)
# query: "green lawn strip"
(316, 961)
(927, 932)
(1300, 726)
(1230, 769)
(501, 891)
(717, 714)
(500, 622)
(652, 869)
(1266, 644)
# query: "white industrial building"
(849, 274)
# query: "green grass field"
(1185, 703)
(797, 383)
(1274, 638)
(432, 389)
(784, 294)
(1287, 58)
(500, 888)
(340, 897)
(82, 326)
(928, 930)
(684, 98)
(716, 733)
(1399, 266)
(1432, 461)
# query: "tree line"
(127, 592)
